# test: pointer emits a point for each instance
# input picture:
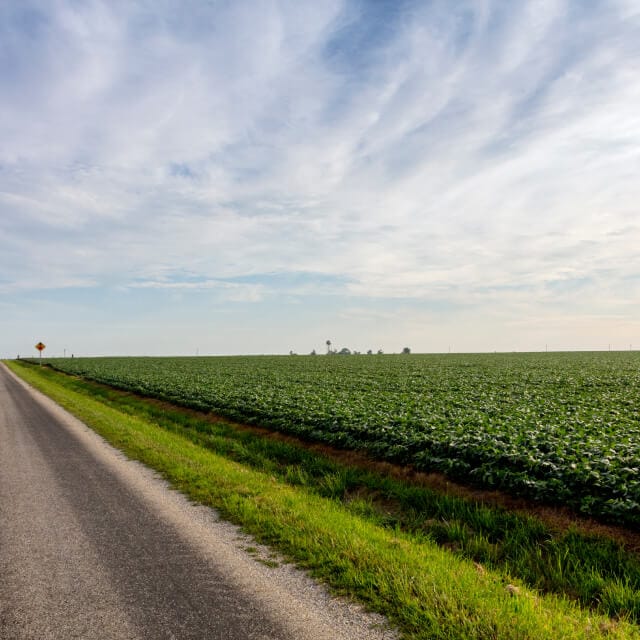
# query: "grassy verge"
(364, 535)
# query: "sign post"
(41, 347)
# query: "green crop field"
(439, 563)
(559, 427)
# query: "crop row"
(554, 427)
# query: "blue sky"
(256, 177)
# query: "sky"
(230, 177)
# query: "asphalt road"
(93, 545)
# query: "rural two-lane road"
(93, 545)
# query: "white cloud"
(480, 153)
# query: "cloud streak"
(480, 154)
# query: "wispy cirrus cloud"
(478, 153)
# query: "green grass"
(367, 536)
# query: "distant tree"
(313, 353)
(369, 352)
(344, 352)
(292, 353)
(406, 351)
(380, 352)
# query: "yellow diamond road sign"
(40, 346)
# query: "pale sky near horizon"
(261, 176)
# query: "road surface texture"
(93, 545)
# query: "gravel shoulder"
(94, 545)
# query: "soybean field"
(557, 427)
